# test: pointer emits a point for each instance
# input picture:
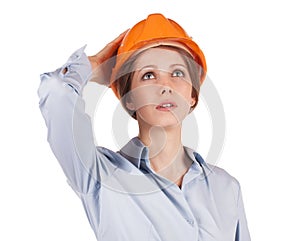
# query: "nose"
(165, 85)
(165, 90)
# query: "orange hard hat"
(156, 30)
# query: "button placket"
(190, 221)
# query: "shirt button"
(75, 57)
(190, 221)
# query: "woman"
(154, 188)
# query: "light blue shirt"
(123, 197)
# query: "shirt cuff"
(77, 70)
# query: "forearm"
(69, 128)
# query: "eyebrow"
(145, 67)
(155, 66)
(182, 65)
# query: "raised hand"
(103, 62)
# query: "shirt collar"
(197, 158)
(135, 151)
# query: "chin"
(152, 117)
(159, 120)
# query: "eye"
(148, 75)
(178, 73)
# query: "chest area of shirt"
(195, 211)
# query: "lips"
(166, 106)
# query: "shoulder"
(221, 172)
(215, 175)
(222, 179)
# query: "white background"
(252, 51)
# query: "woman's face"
(161, 89)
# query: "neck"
(161, 141)
(166, 151)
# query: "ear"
(192, 101)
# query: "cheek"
(144, 95)
(185, 91)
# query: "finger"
(118, 39)
(111, 47)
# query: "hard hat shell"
(156, 30)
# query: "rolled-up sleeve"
(70, 132)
